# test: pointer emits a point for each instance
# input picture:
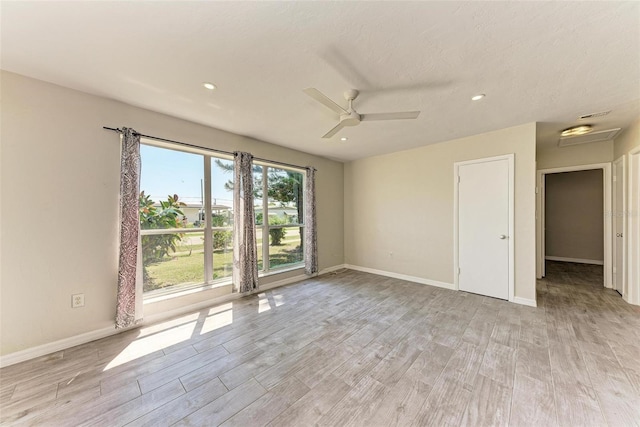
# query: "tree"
(284, 189)
(228, 168)
(168, 215)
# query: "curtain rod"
(186, 144)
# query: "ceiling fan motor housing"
(350, 119)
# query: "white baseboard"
(576, 260)
(52, 347)
(282, 282)
(332, 269)
(525, 301)
(299, 278)
(451, 286)
(402, 277)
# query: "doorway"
(484, 224)
(604, 255)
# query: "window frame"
(208, 230)
(208, 268)
(265, 227)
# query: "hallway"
(571, 273)
(593, 341)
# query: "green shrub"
(221, 239)
(277, 234)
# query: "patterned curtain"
(245, 255)
(310, 232)
(129, 283)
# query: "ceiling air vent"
(603, 135)
(594, 115)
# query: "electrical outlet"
(77, 300)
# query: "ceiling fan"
(350, 116)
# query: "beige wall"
(627, 140)
(574, 155)
(55, 158)
(574, 215)
(399, 207)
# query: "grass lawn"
(186, 265)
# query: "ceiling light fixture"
(577, 130)
(478, 97)
(344, 138)
(209, 86)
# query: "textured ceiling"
(536, 61)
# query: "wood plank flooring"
(354, 349)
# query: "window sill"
(157, 296)
(282, 270)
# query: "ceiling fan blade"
(324, 100)
(333, 131)
(390, 116)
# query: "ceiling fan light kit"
(349, 116)
(577, 130)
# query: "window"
(182, 246)
(278, 196)
(186, 218)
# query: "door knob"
(502, 237)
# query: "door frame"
(622, 214)
(540, 217)
(511, 194)
(633, 228)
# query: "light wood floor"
(353, 349)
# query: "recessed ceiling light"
(478, 97)
(344, 138)
(209, 86)
(577, 130)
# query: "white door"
(618, 225)
(633, 228)
(484, 211)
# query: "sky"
(167, 172)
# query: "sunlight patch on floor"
(278, 300)
(169, 324)
(156, 337)
(263, 305)
(218, 317)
